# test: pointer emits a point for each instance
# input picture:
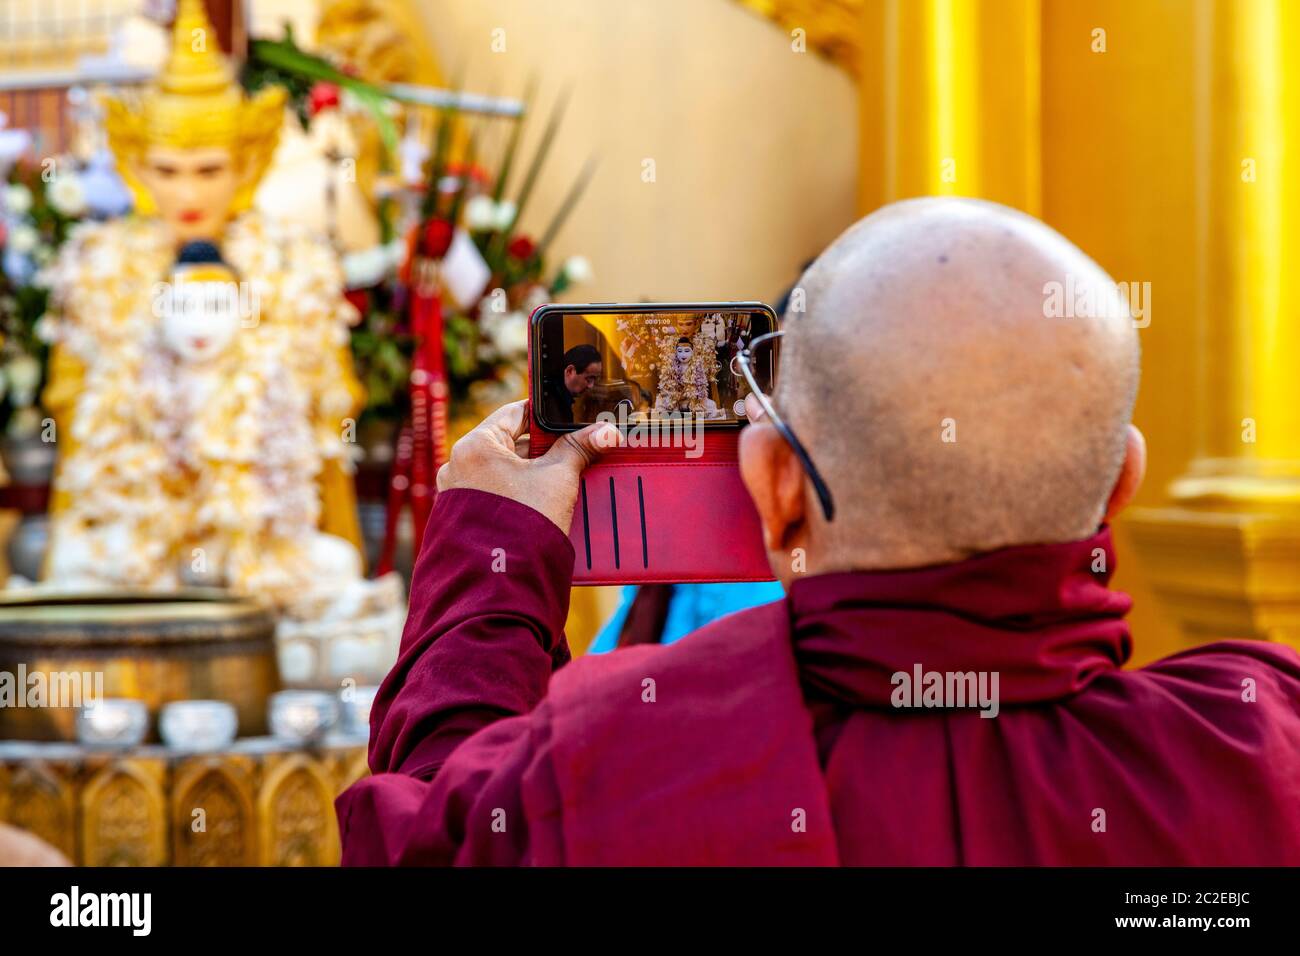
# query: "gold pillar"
(950, 101)
(1225, 550)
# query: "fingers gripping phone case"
(641, 519)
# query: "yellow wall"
(755, 146)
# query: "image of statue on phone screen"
(656, 364)
(688, 374)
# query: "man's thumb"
(579, 449)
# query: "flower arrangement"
(39, 206)
(486, 342)
(486, 339)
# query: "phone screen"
(639, 363)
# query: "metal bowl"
(305, 716)
(198, 724)
(112, 722)
(158, 648)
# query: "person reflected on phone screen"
(579, 372)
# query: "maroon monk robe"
(769, 736)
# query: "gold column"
(1225, 550)
(950, 101)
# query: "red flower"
(437, 238)
(323, 96)
(359, 298)
(476, 173)
(521, 248)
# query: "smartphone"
(669, 505)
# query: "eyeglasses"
(744, 359)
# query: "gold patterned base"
(262, 802)
(1224, 574)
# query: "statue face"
(684, 352)
(200, 320)
(193, 188)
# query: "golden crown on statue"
(195, 102)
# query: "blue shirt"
(690, 607)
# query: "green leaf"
(508, 160)
(285, 56)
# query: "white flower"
(510, 334)
(24, 374)
(506, 211)
(25, 422)
(18, 199)
(67, 194)
(481, 214)
(23, 239)
(577, 269)
(536, 297)
(365, 268)
(395, 252)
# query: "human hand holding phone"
(488, 459)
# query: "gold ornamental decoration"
(122, 815)
(260, 802)
(195, 102)
(212, 816)
(38, 797)
(296, 814)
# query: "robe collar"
(1041, 616)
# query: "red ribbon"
(422, 447)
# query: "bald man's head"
(948, 412)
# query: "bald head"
(948, 388)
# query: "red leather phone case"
(642, 519)
(651, 515)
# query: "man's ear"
(1130, 475)
(774, 478)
